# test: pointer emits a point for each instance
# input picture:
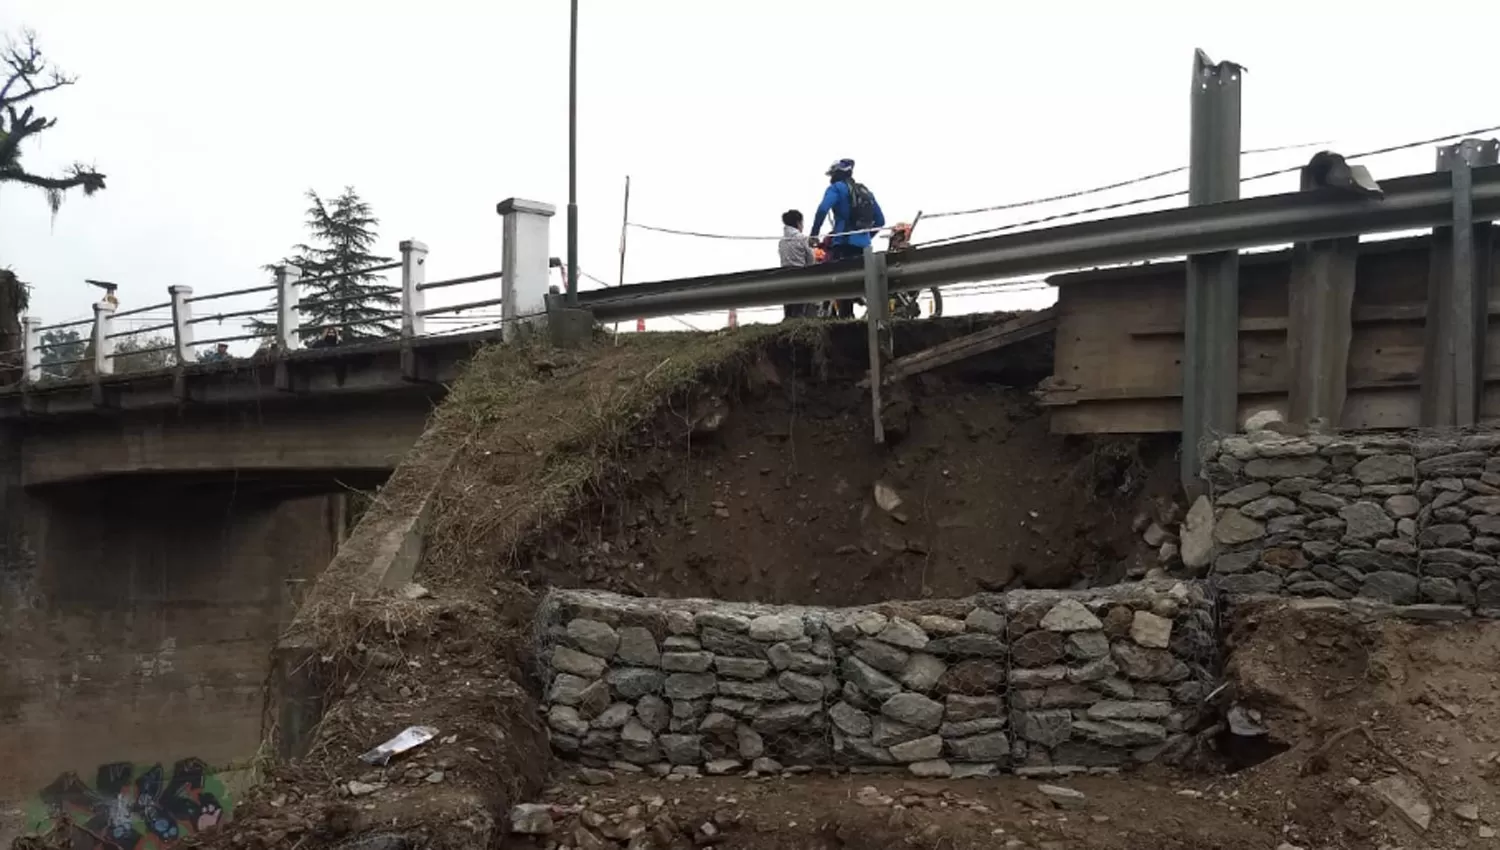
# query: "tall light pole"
(573, 161)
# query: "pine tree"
(343, 234)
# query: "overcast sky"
(212, 119)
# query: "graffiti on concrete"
(134, 808)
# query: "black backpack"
(861, 206)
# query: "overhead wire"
(1177, 194)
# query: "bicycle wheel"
(937, 302)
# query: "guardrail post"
(1457, 318)
(182, 315)
(877, 299)
(1210, 362)
(1320, 305)
(104, 347)
(31, 340)
(287, 317)
(524, 260)
(413, 275)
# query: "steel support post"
(877, 298)
(1457, 318)
(1210, 363)
(1320, 305)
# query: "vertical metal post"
(182, 328)
(876, 299)
(1210, 391)
(287, 316)
(413, 275)
(1457, 319)
(31, 339)
(1320, 305)
(104, 347)
(573, 159)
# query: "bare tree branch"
(27, 76)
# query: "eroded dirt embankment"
(739, 466)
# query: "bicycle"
(906, 304)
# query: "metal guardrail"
(1423, 200)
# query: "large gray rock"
(741, 668)
(682, 749)
(1039, 649)
(613, 717)
(691, 685)
(885, 732)
(1086, 646)
(784, 657)
(566, 659)
(786, 717)
(1132, 710)
(751, 744)
(870, 681)
(687, 662)
(1393, 587)
(763, 691)
(958, 708)
(1286, 467)
(992, 746)
(1243, 494)
(921, 749)
(802, 688)
(722, 621)
(1120, 733)
(940, 626)
(903, 633)
(721, 642)
(863, 751)
(882, 656)
(1234, 528)
(1069, 615)
(967, 728)
(923, 672)
(1150, 665)
(1269, 507)
(774, 628)
(1385, 469)
(653, 712)
(968, 646)
(850, 720)
(638, 646)
(565, 719)
(1366, 521)
(1198, 534)
(1048, 727)
(985, 620)
(914, 710)
(636, 682)
(1149, 630)
(593, 637)
(567, 688)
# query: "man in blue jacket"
(854, 210)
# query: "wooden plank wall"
(1118, 355)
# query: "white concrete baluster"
(104, 347)
(31, 338)
(524, 259)
(182, 314)
(287, 315)
(413, 275)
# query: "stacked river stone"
(1403, 519)
(688, 686)
(1109, 678)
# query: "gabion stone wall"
(1404, 519)
(1109, 679)
(935, 687)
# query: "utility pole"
(573, 160)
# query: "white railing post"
(287, 317)
(182, 315)
(31, 338)
(104, 347)
(524, 259)
(413, 275)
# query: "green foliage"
(135, 354)
(344, 232)
(59, 348)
